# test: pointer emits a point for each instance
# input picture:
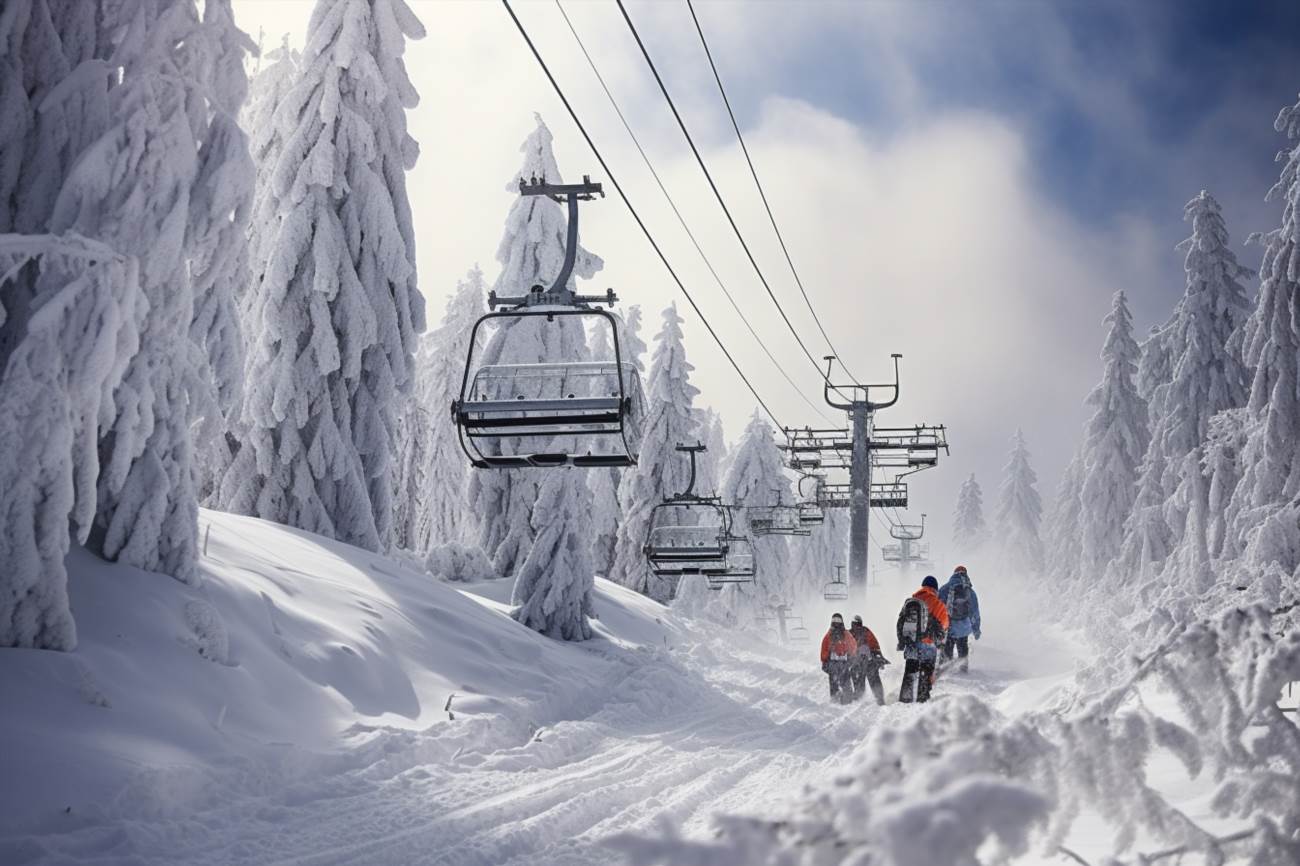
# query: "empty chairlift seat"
(559, 413)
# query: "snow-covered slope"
(291, 641)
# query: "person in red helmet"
(922, 627)
(867, 662)
(838, 649)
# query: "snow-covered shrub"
(462, 562)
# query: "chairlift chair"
(838, 588)
(552, 412)
(795, 630)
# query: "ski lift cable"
(763, 194)
(682, 220)
(721, 201)
(632, 210)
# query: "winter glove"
(826, 667)
(977, 634)
(879, 659)
(900, 647)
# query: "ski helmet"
(836, 619)
(930, 581)
(961, 569)
(857, 619)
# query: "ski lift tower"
(910, 449)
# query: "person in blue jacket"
(963, 616)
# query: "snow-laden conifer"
(757, 477)
(432, 468)
(67, 354)
(1263, 507)
(217, 241)
(1115, 440)
(131, 189)
(552, 592)
(531, 253)
(815, 556)
(606, 514)
(1019, 512)
(336, 311)
(968, 529)
(1206, 377)
(661, 470)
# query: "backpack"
(913, 622)
(959, 599)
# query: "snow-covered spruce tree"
(552, 592)
(1205, 377)
(661, 471)
(67, 355)
(1114, 440)
(334, 315)
(131, 189)
(217, 240)
(531, 253)
(1019, 512)
(432, 468)
(757, 477)
(708, 425)
(1263, 510)
(968, 530)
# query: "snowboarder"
(963, 616)
(838, 649)
(867, 662)
(922, 626)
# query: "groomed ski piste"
(312, 703)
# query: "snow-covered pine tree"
(757, 477)
(433, 470)
(67, 354)
(147, 509)
(1263, 508)
(1064, 537)
(1206, 377)
(217, 241)
(968, 529)
(708, 425)
(552, 591)
(1020, 512)
(531, 253)
(1115, 439)
(336, 312)
(661, 470)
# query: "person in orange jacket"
(838, 650)
(867, 662)
(922, 627)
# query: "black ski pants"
(866, 670)
(960, 644)
(917, 674)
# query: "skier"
(963, 616)
(838, 648)
(922, 625)
(867, 662)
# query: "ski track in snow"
(680, 735)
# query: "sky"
(964, 183)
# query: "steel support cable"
(677, 212)
(632, 210)
(763, 194)
(722, 202)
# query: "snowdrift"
(292, 647)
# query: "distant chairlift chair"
(838, 588)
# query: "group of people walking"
(934, 625)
